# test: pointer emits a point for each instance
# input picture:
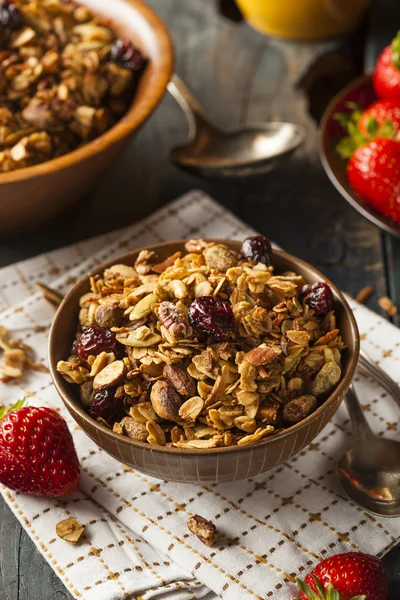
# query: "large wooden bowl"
(34, 194)
(201, 466)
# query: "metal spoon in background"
(370, 471)
(211, 152)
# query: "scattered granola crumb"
(70, 530)
(205, 530)
(387, 305)
(16, 357)
(365, 293)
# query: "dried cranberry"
(125, 54)
(258, 249)
(94, 340)
(10, 16)
(212, 316)
(104, 404)
(318, 296)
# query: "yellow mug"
(303, 19)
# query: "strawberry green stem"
(5, 410)
(330, 593)
(396, 51)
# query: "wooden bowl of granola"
(185, 449)
(82, 78)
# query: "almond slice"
(111, 375)
(70, 530)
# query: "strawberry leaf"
(307, 591)
(396, 51)
(362, 597)
(372, 126)
(320, 589)
(331, 593)
(4, 410)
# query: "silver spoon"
(370, 471)
(368, 367)
(212, 152)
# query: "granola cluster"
(205, 349)
(65, 78)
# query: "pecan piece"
(174, 320)
(165, 401)
(180, 380)
(205, 530)
(299, 408)
(70, 530)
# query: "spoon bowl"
(242, 152)
(370, 471)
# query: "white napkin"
(137, 545)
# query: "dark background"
(238, 75)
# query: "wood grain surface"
(238, 75)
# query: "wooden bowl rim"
(68, 400)
(352, 197)
(137, 114)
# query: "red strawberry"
(380, 113)
(37, 453)
(386, 78)
(354, 576)
(374, 173)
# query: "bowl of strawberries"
(360, 141)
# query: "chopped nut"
(110, 376)
(180, 380)
(220, 257)
(387, 305)
(364, 294)
(299, 408)
(165, 401)
(205, 530)
(134, 429)
(174, 320)
(326, 378)
(262, 355)
(108, 315)
(70, 530)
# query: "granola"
(16, 356)
(160, 363)
(65, 79)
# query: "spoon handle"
(361, 430)
(368, 367)
(194, 113)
